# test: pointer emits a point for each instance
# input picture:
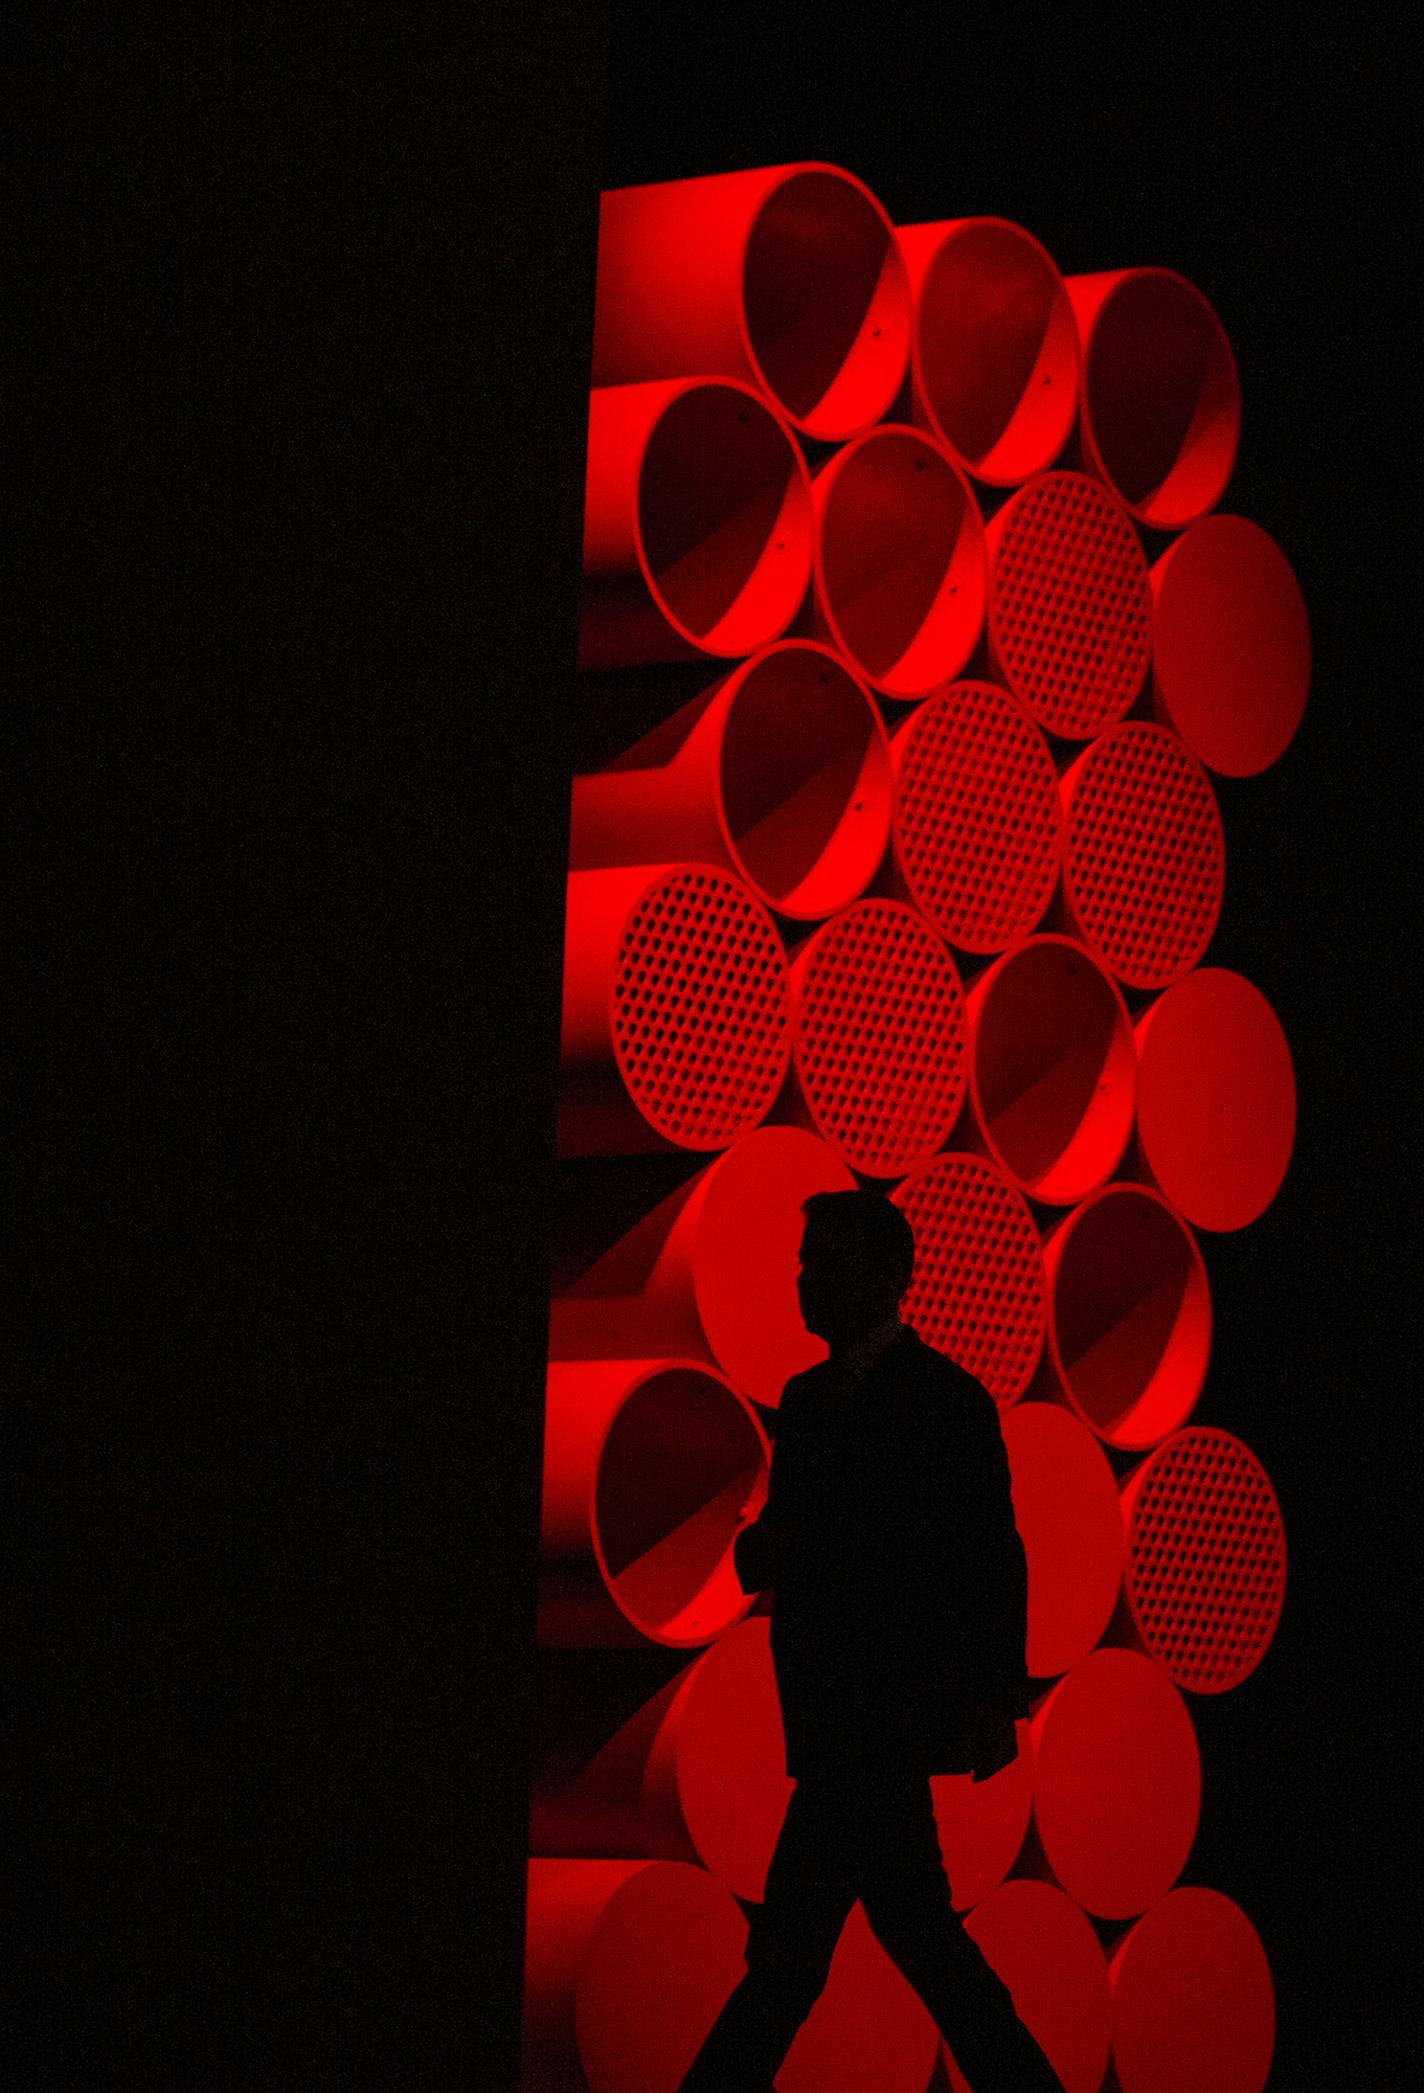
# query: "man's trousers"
(872, 1837)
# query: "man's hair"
(870, 1223)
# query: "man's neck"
(857, 1357)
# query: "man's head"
(857, 1255)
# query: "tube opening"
(724, 519)
(1131, 1318)
(996, 351)
(1163, 402)
(826, 303)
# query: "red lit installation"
(1040, 1943)
(1230, 645)
(1117, 1782)
(1129, 1315)
(977, 824)
(897, 560)
(1144, 856)
(977, 1294)
(647, 949)
(1192, 2000)
(877, 1047)
(1067, 1512)
(1205, 1567)
(697, 524)
(647, 1464)
(788, 277)
(1069, 609)
(841, 703)
(781, 771)
(993, 346)
(711, 1271)
(1160, 405)
(1216, 1098)
(1052, 1068)
(982, 1823)
(596, 1937)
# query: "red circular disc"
(878, 1036)
(868, 2032)
(978, 823)
(730, 1773)
(695, 938)
(1230, 645)
(1215, 1098)
(1043, 1947)
(982, 1823)
(1192, 2000)
(748, 1238)
(1117, 1784)
(1067, 1513)
(606, 2005)
(1206, 1558)
(1069, 616)
(977, 1293)
(1144, 857)
(1129, 1314)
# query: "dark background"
(285, 779)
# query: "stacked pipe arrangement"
(912, 635)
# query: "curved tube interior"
(1131, 1318)
(1162, 398)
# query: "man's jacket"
(898, 1580)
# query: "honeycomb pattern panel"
(1070, 603)
(1144, 856)
(701, 1020)
(978, 821)
(879, 1037)
(1205, 1558)
(978, 1292)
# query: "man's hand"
(993, 1741)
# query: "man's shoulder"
(929, 1382)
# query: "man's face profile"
(840, 1293)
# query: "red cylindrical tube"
(877, 1054)
(780, 771)
(696, 1774)
(710, 1273)
(1144, 855)
(1230, 645)
(897, 561)
(1052, 1068)
(867, 2028)
(647, 950)
(993, 345)
(1205, 1555)
(605, 2004)
(1192, 2000)
(647, 1466)
(1160, 401)
(1117, 1783)
(788, 277)
(1069, 603)
(1129, 1315)
(1044, 1948)
(1066, 1510)
(697, 523)
(981, 1824)
(977, 828)
(977, 1292)
(1216, 1098)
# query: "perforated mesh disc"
(978, 824)
(1070, 606)
(1206, 1558)
(1145, 858)
(879, 1039)
(978, 1290)
(701, 1025)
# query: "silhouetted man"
(898, 1620)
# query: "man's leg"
(792, 1937)
(907, 1900)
